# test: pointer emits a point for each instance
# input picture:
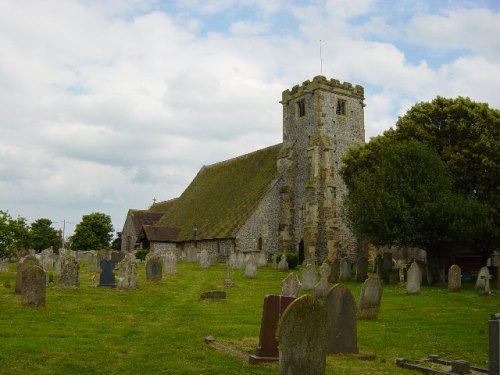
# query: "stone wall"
(129, 237)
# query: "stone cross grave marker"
(309, 277)
(361, 269)
(454, 278)
(33, 285)
(127, 272)
(414, 279)
(290, 286)
(153, 268)
(341, 320)
(69, 273)
(480, 282)
(302, 338)
(371, 295)
(107, 276)
(345, 269)
(321, 288)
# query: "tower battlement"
(321, 83)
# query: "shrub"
(141, 254)
(291, 258)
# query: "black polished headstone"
(494, 360)
(107, 276)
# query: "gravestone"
(24, 263)
(454, 278)
(262, 261)
(387, 262)
(345, 269)
(494, 344)
(204, 261)
(250, 269)
(414, 279)
(153, 268)
(213, 294)
(69, 273)
(4, 266)
(371, 295)
(240, 261)
(170, 263)
(480, 282)
(302, 338)
(309, 277)
(127, 272)
(321, 288)
(191, 255)
(231, 263)
(361, 269)
(275, 260)
(290, 286)
(273, 309)
(378, 265)
(283, 264)
(487, 290)
(107, 276)
(335, 271)
(33, 285)
(341, 320)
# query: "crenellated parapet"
(321, 83)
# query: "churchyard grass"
(159, 328)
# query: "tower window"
(259, 246)
(341, 107)
(301, 108)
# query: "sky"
(106, 105)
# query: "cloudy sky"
(107, 104)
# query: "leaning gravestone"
(127, 272)
(414, 279)
(107, 276)
(371, 295)
(170, 263)
(302, 338)
(69, 273)
(24, 263)
(283, 264)
(341, 320)
(33, 286)
(250, 269)
(153, 269)
(481, 277)
(454, 278)
(204, 261)
(361, 269)
(290, 286)
(334, 275)
(309, 277)
(321, 288)
(345, 269)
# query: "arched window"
(260, 244)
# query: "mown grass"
(159, 328)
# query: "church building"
(283, 198)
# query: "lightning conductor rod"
(320, 59)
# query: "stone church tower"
(321, 120)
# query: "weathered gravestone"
(302, 338)
(33, 285)
(335, 270)
(494, 344)
(283, 264)
(213, 294)
(371, 295)
(69, 273)
(204, 261)
(262, 261)
(153, 268)
(480, 282)
(273, 309)
(290, 286)
(250, 269)
(170, 263)
(341, 320)
(321, 288)
(127, 272)
(24, 263)
(454, 278)
(309, 277)
(387, 262)
(275, 260)
(4, 266)
(361, 269)
(107, 276)
(345, 269)
(414, 279)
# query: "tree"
(93, 232)
(14, 234)
(404, 197)
(43, 236)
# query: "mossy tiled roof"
(163, 206)
(223, 195)
(143, 217)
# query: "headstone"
(191, 255)
(69, 273)
(334, 275)
(231, 263)
(487, 290)
(454, 278)
(250, 269)
(361, 269)
(401, 266)
(24, 263)
(127, 272)
(170, 263)
(341, 320)
(494, 344)
(283, 264)
(107, 276)
(480, 282)
(371, 295)
(153, 268)
(302, 338)
(387, 262)
(204, 261)
(33, 285)
(275, 260)
(378, 265)
(262, 261)
(309, 277)
(321, 288)
(213, 294)
(290, 286)
(414, 279)
(345, 269)
(273, 309)
(4, 266)
(240, 261)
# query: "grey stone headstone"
(335, 268)
(309, 277)
(345, 269)
(361, 269)
(170, 263)
(204, 260)
(154, 269)
(33, 285)
(250, 269)
(341, 320)
(414, 279)
(107, 276)
(290, 286)
(322, 287)
(302, 338)
(127, 272)
(24, 263)
(283, 264)
(69, 273)
(4, 266)
(454, 278)
(371, 296)
(480, 282)
(494, 344)
(262, 260)
(387, 262)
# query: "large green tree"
(94, 232)
(43, 236)
(14, 234)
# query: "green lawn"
(159, 328)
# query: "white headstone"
(480, 282)
(414, 277)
